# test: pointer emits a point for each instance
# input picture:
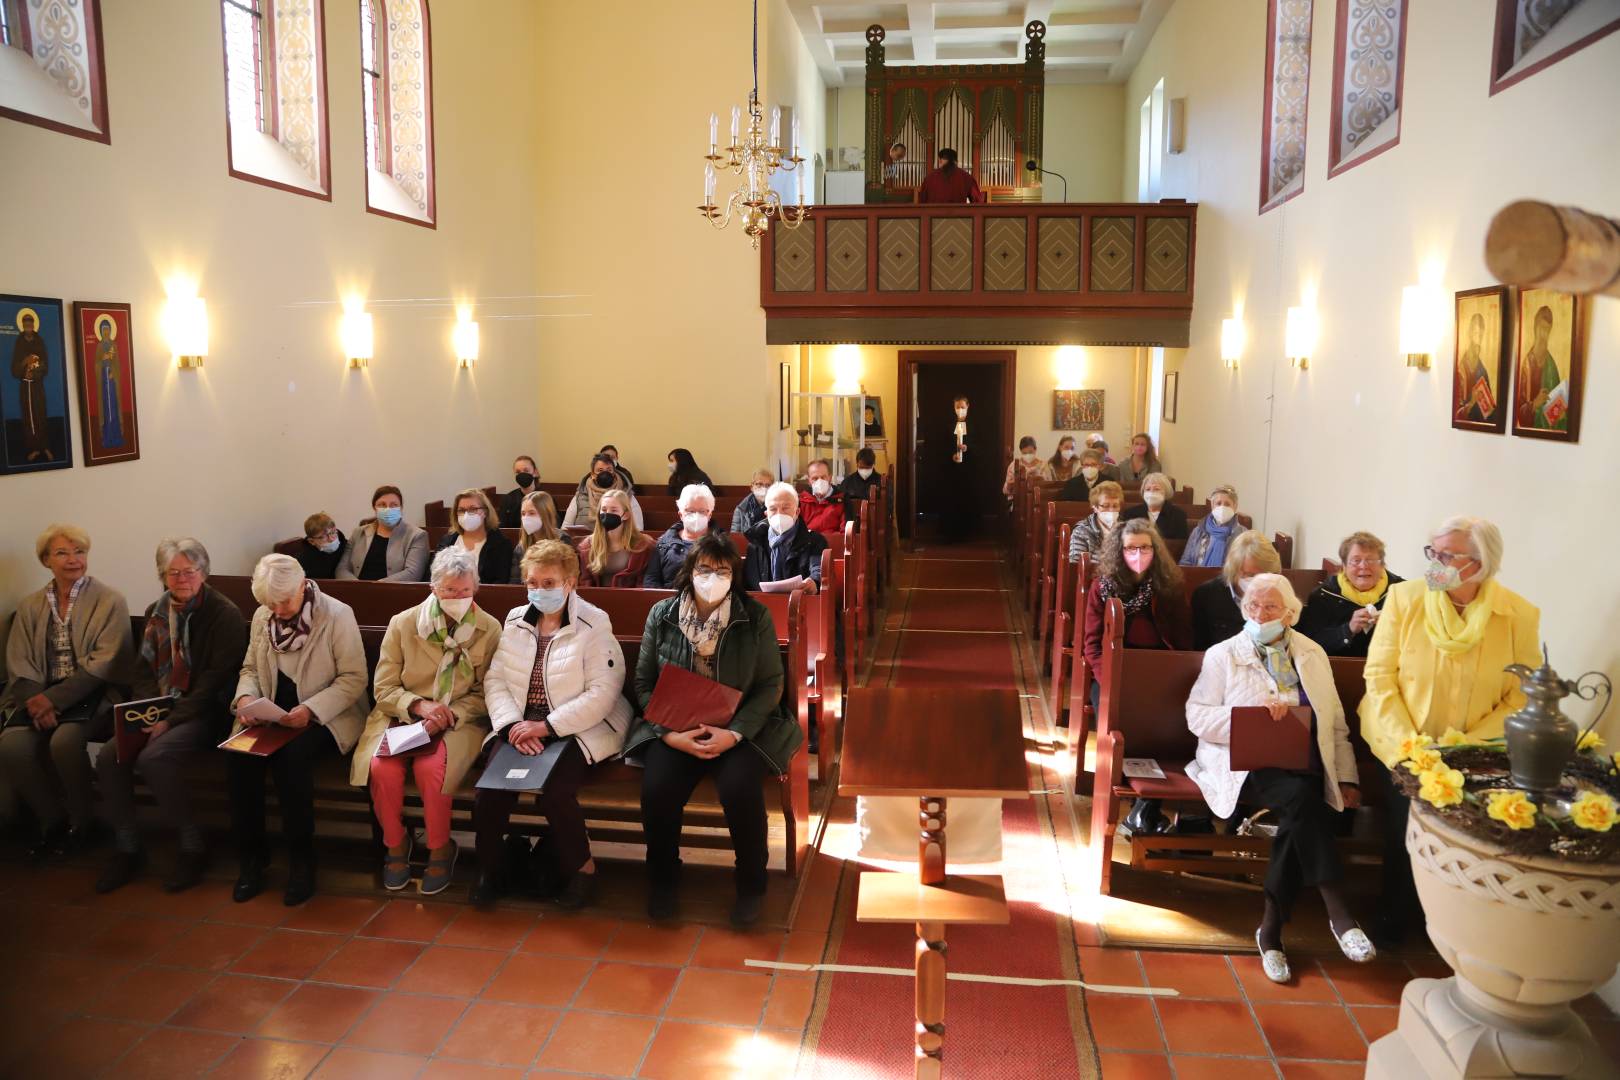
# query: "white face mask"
(711, 589)
(1153, 499)
(532, 523)
(695, 523)
(1089, 472)
(781, 523)
(759, 493)
(1067, 452)
(471, 521)
(1028, 456)
(864, 474)
(456, 609)
(821, 488)
(1108, 518)
(1222, 514)
(961, 413)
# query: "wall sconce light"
(846, 369)
(1299, 336)
(465, 339)
(1232, 342)
(1070, 367)
(355, 330)
(1422, 312)
(186, 320)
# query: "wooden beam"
(1538, 245)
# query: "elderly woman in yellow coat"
(430, 671)
(1435, 666)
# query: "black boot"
(51, 844)
(120, 870)
(579, 892)
(250, 876)
(486, 890)
(745, 912)
(1145, 818)
(663, 903)
(300, 880)
(188, 871)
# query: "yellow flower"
(1423, 761)
(1413, 743)
(1452, 737)
(1617, 761)
(1590, 740)
(1593, 811)
(1441, 786)
(1512, 808)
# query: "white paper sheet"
(262, 709)
(397, 740)
(785, 585)
(1142, 768)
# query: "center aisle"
(950, 623)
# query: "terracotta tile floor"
(358, 986)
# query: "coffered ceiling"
(1087, 41)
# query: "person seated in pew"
(1141, 461)
(823, 511)
(613, 452)
(67, 655)
(1089, 533)
(684, 471)
(1342, 611)
(751, 510)
(1095, 441)
(1166, 516)
(191, 651)
(472, 528)
(604, 477)
(323, 547)
(1092, 471)
(527, 475)
(558, 673)
(714, 628)
(1269, 664)
(537, 522)
(860, 485)
(1435, 666)
(430, 671)
(386, 547)
(1206, 543)
(1216, 611)
(616, 554)
(781, 546)
(696, 504)
(1064, 464)
(1027, 465)
(305, 655)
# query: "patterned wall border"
(96, 72)
(1338, 162)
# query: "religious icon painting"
(106, 378)
(1077, 410)
(33, 386)
(1484, 351)
(1550, 363)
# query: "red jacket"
(1155, 628)
(822, 515)
(628, 578)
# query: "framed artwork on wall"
(1077, 410)
(1484, 348)
(1172, 393)
(105, 375)
(1551, 354)
(33, 386)
(872, 418)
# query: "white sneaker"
(1356, 946)
(1273, 961)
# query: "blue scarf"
(1212, 541)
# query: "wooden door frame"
(911, 359)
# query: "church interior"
(1101, 395)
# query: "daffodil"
(1512, 808)
(1452, 737)
(1593, 811)
(1617, 761)
(1590, 740)
(1413, 743)
(1441, 786)
(1422, 761)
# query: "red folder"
(1259, 742)
(131, 719)
(261, 740)
(683, 700)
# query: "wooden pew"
(659, 511)
(645, 492)
(1053, 553)
(1142, 714)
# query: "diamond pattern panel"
(950, 255)
(899, 254)
(846, 256)
(795, 259)
(1113, 254)
(1057, 255)
(1006, 251)
(1166, 255)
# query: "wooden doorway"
(988, 377)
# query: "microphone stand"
(1033, 167)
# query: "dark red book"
(261, 740)
(131, 722)
(683, 700)
(1259, 742)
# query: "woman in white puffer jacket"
(558, 673)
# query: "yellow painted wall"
(1084, 127)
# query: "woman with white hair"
(1268, 664)
(67, 655)
(782, 546)
(430, 671)
(1435, 663)
(1157, 492)
(696, 504)
(191, 651)
(304, 655)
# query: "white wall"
(274, 427)
(1360, 441)
(1084, 125)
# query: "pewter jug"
(1540, 738)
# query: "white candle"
(801, 182)
(776, 125)
(794, 150)
(708, 184)
(714, 132)
(735, 113)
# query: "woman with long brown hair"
(615, 555)
(1064, 461)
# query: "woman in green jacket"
(710, 626)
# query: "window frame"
(95, 66)
(266, 109)
(1268, 87)
(1502, 74)
(431, 220)
(264, 58)
(378, 120)
(16, 20)
(1341, 37)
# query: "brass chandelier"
(755, 156)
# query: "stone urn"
(1526, 935)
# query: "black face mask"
(604, 479)
(609, 520)
(524, 479)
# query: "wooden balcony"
(1019, 273)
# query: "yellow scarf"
(1371, 596)
(1450, 632)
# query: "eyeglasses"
(1366, 564)
(329, 534)
(704, 573)
(1270, 611)
(1452, 558)
(182, 575)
